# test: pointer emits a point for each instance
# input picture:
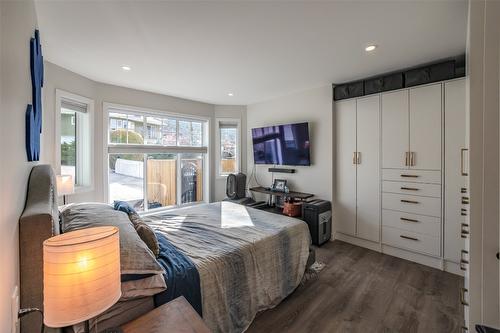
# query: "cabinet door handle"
(464, 329)
(408, 220)
(358, 158)
(409, 176)
(354, 158)
(406, 159)
(409, 201)
(462, 296)
(463, 266)
(462, 162)
(412, 158)
(463, 190)
(408, 237)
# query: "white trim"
(110, 148)
(140, 111)
(237, 122)
(84, 149)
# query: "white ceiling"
(257, 50)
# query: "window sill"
(169, 208)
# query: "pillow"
(135, 256)
(144, 230)
(148, 236)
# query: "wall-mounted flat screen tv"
(282, 144)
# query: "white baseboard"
(412, 256)
(358, 241)
(422, 259)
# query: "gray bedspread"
(248, 260)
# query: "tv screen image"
(282, 144)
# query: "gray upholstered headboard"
(39, 221)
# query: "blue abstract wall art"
(34, 111)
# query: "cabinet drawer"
(420, 189)
(411, 240)
(427, 225)
(412, 176)
(412, 204)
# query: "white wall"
(17, 24)
(315, 107)
(231, 111)
(59, 78)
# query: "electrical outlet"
(14, 304)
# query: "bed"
(247, 260)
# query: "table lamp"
(65, 186)
(81, 275)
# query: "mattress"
(248, 260)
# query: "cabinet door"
(345, 171)
(425, 127)
(454, 143)
(395, 129)
(368, 168)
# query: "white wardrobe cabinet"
(411, 128)
(368, 168)
(455, 162)
(345, 194)
(395, 130)
(357, 198)
(425, 127)
(401, 173)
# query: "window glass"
(191, 178)
(68, 143)
(169, 132)
(153, 131)
(126, 179)
(170, 177)
(161, 180)
(184, 133)
(228, 150)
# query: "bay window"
(155, 159)
(228, 150)
(74, 133)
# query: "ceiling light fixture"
(370, 48)
(230, 94)
(126, 68)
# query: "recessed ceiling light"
(126, 68)
(370, 48)
(230, 94)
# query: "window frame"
(113, 148)
(84, 140)
(218, 157)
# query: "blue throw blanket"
(181, 276)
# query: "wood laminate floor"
(365, 291)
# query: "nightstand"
(175, 316)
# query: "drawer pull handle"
(409, 188)
(410, 201)
(462, 296)
(463, 190)
(408, 220)
(463, 267)
(408, 237)
(409, 176)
